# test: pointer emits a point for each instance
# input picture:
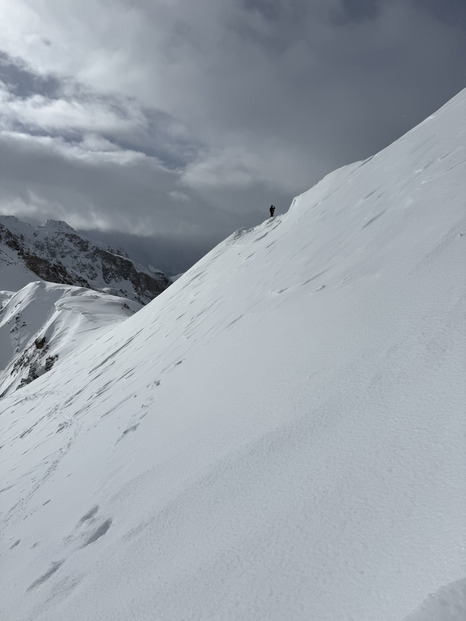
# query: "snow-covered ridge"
(58, 225)
(44, 322)
(280, 436)
(54, 252)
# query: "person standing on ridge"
(272, 210)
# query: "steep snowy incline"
(43, 322)
(279, 435)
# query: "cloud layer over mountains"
(184, 121)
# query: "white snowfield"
(46, 321)
(278, 436)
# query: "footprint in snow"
(89, 515)
(55, 567)
(98, 533)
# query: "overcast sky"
(167, 124)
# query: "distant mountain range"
(55, 252)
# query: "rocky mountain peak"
(55, 252)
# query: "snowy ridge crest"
(54, 252)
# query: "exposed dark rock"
(56, 253)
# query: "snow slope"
(279, 435)
(43, 322)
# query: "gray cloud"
(23, 82)
(183, 122)
(448, 11)
(170, 254)
(356, 10)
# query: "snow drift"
(279, 435)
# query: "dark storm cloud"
(152, 214)
(354, 10)
(170, 254)
(302, 78)
(185, 121)
(449, 11)
(270, 9)
(47, 175)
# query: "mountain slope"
(278, 435)
(14, 274)
(55, 252)
(43, 322)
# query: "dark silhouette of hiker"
(272, 210)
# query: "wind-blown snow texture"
(279, 435)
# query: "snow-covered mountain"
(279, 435)
(43, 322)
(55, 252)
